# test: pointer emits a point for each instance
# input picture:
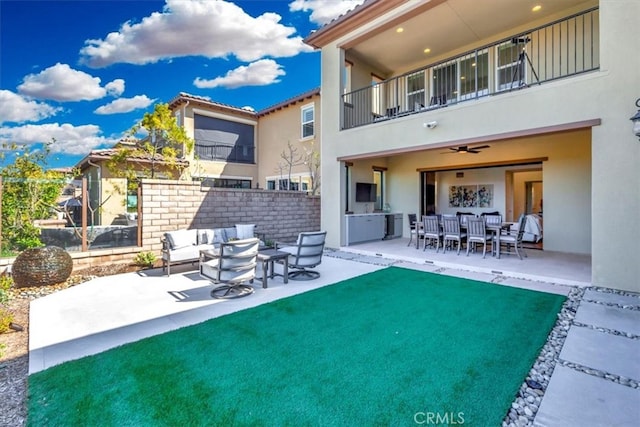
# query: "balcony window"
(474, 76)
(346, 77)
(307, 121)
(415, 90)
(510, 67)
(445, 84)
(376, 95)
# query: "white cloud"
(323, 11)
(18, 109)
(125, 105)
(259, 73)
(213, 29)
(70, 139)
(115, 88)
(62, 83)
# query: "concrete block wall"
(171, 205)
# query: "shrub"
(6, 282)
(29, 192)
(145, 259)
(6, 318)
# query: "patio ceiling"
(452, 25)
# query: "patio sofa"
(182, 246)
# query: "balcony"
(560, 49)
(230, 153)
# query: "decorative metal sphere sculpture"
(41, 266)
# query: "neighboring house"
(410, 87)
(291, 123)
(109, 197)
(234, 148)
(241, 148)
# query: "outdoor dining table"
(497, 231)
(493, 228)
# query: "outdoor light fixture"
(636, 120)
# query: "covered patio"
(539, 265)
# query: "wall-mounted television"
(365, 192)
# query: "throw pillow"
(219, 236)
(245, 231)
(182, 238)
(205, 236)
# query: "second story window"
(308, 120)
(415, 91)
(510, 67)
(474, 75)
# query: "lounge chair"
(233, 264)
(306, 253)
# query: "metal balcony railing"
(224, 152)
(563, 48)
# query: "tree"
(166, 143)
(289, 159)
(29, 192)
(312, 161)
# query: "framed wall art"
(471, 196)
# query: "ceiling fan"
(466, 149)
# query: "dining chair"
(477, 233)
(432, 232)
(509, 239)
(495, 220)
(493, 225)
(415, 229)
(464, 219)
(412, 226)
(451, 232)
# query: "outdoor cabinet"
(365, 227)
(394, 225)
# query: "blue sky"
(84, 72)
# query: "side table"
(267, 257)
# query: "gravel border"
(524, 408)
(13, 389)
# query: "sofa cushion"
(245, 231)
(184, 254)
(182, 238)
(230, 233)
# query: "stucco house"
(242, 148)
(523, 103)
(277, 148)
(109, 194)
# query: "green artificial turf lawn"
(386, 348)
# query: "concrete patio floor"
(110, 311)
(539, 265)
